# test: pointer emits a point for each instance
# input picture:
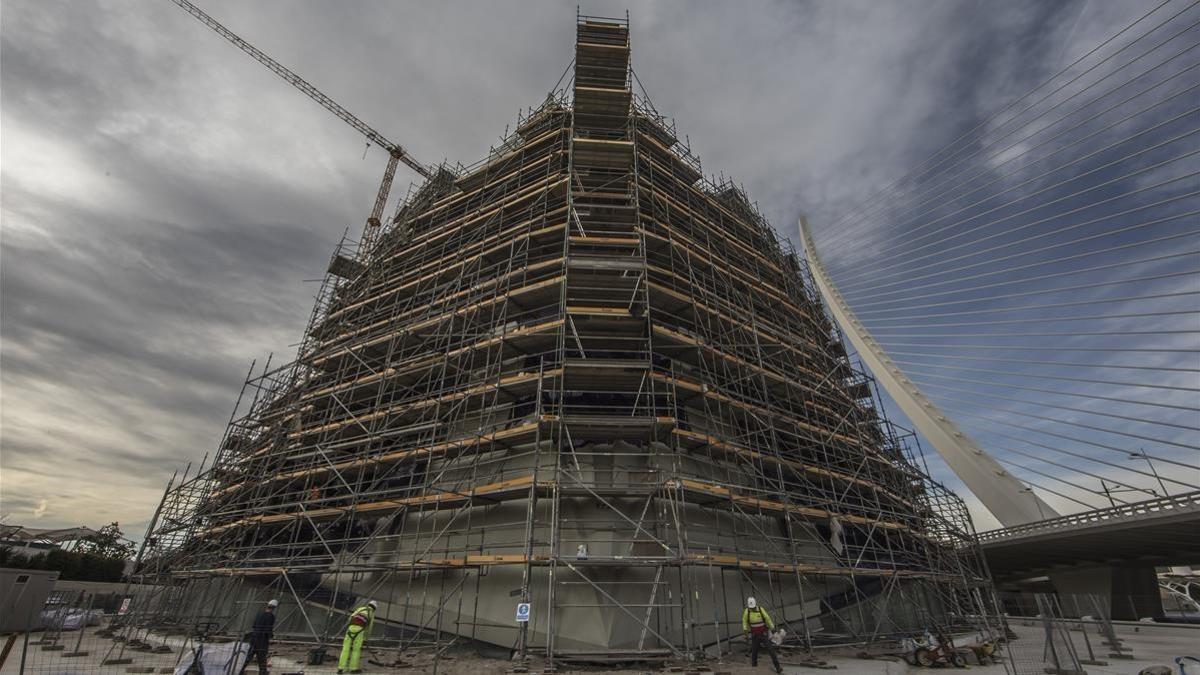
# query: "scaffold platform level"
(576, 374)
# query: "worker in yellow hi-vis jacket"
(358, 629)
(757, 625)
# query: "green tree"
(11, 558)
(109, 542)
(100, 557)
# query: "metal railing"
(1185, 501)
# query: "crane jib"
(312, 92)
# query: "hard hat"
(272, 603)
(373, 604)
(751, 602)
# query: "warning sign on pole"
(522, 612)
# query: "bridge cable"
(1072, 205)
(841, 232)
(833, 249)
(1023, 280)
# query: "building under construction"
(576, 374)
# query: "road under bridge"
(1110, 552)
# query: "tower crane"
(396, 153)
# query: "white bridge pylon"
(1000, 492)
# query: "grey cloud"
(164, 196)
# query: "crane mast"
(396, 153)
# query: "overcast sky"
(165, 198)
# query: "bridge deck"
(1163, 531)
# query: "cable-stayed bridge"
(1029, 296)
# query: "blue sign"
(522, 612)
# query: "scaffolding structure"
(577, 374)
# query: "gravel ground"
(1150, 645)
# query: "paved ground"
(1150, 644)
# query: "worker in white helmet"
(757, 625)
(358, 629)
(259, 637)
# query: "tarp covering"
(70, 618)
(224, 659)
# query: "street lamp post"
(1104, 486)
(1141, 454)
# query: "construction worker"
(260, 636)
(757, 625)
(358, 629)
